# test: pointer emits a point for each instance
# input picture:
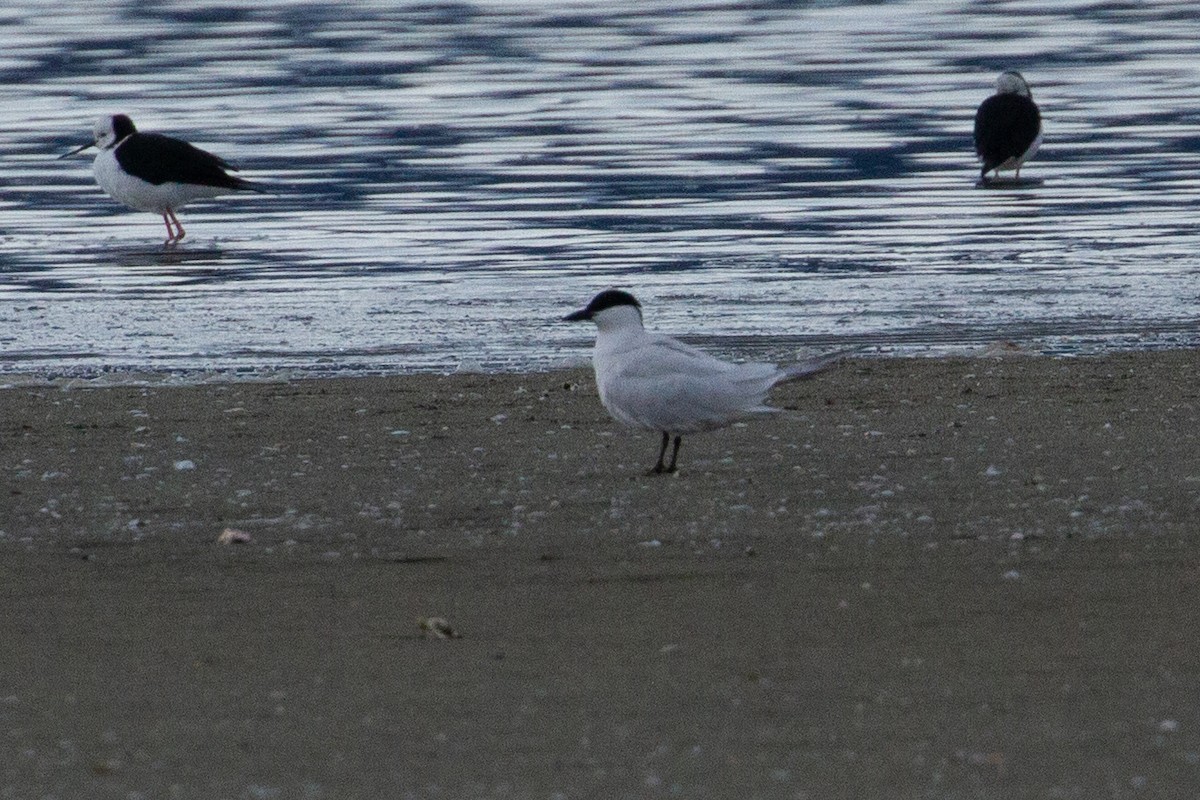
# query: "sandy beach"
(942, 578)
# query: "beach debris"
(1005, 348)
(185, 464)
(234, 536)
(469, 366)
(437, 628)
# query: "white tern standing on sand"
(658, 383)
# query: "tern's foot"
(659, 469)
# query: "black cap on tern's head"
(609, 298)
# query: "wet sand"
(928, 578)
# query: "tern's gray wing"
(661, 355)
(669, 386)
(658, 354)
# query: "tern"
(153, 172)
(658, 383)
(1008, 126)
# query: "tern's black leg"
(660, 468)
(674, 452)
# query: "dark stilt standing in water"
(1008, 127)
(153, 172)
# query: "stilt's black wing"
(159, 159)
(1005, 126)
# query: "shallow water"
(449, 179)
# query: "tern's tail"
(803, 369)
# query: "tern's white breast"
(142, 195)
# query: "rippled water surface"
(449, 179)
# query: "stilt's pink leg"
(179, 232)
(170, 233)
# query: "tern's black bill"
(79, 149)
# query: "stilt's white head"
(107, 133)
(1013, 82)
(110, 130)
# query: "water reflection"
(450, 177)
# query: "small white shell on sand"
(233, 536)
(437, 627)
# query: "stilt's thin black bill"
(79, 149)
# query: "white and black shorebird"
(658, 383)
(153, 172)
(1008, 126)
